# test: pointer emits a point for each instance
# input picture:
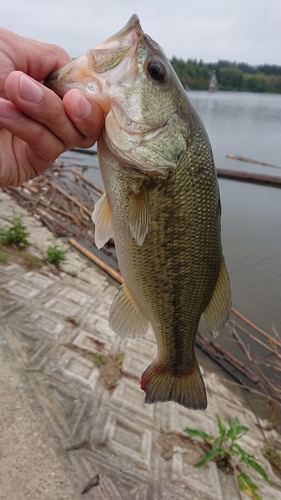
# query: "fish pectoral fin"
(125, 317)
(139, 214)
(102, 217)
(218, 310)
(185, 387)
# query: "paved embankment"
(65, 420)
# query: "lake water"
(243, 124)
(248, 125)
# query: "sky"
(235, 30)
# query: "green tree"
(230, 78)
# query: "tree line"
(230, 75)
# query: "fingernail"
(8, 110)
(29, 90)
(82, 107)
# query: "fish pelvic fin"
(125, 317)
(218, 311)
(139, 214)
(185, 387)
(102, 217)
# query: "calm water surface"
(244, 124)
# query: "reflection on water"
(244, 124)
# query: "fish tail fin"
(185, 387)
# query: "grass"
(3, 256)
(229, 455)
(33, 261)
(274, 458)
(55, 255)
(98, 359)
(16, 234)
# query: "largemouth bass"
(162, 207)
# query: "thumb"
(85, 114)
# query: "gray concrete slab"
(64, 420)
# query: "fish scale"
(161, 205)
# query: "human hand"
(36, 126)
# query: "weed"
(16, 234)
(3, 257)
(55, 255)
(274, 459)
(34, 261)
(98, 359)
(228, 454)
(118, 359)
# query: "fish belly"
(172, 275)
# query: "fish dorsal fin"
(139, 214)
(218, 310)
(125, 317)
(102, 217)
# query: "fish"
(161, 205)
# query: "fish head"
(132, 80)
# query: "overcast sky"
(236, 30)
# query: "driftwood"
(249, 160)
(109, 270)
(235, 362)
(64, 200)
(98, 189)
(255, 327)
(236, 175)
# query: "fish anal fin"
(102, 217)
(218, 310)
(139, 214)
(125, 317)
(185, 387)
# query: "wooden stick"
(30, 188)
(71, 198)
(273, 351)
(240, 343)
(255, 327)
(204, 345)
(249, 160)
(96, 260)
(62, 212)
(237, 175)
(88, 181)
(235, 362)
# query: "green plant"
(98, 359)
(274, 459)
(34, 261)
(55, 255)
(3, 257)
(15, 234)
(228, 454)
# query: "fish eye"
(157, 70)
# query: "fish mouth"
(88, 71)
